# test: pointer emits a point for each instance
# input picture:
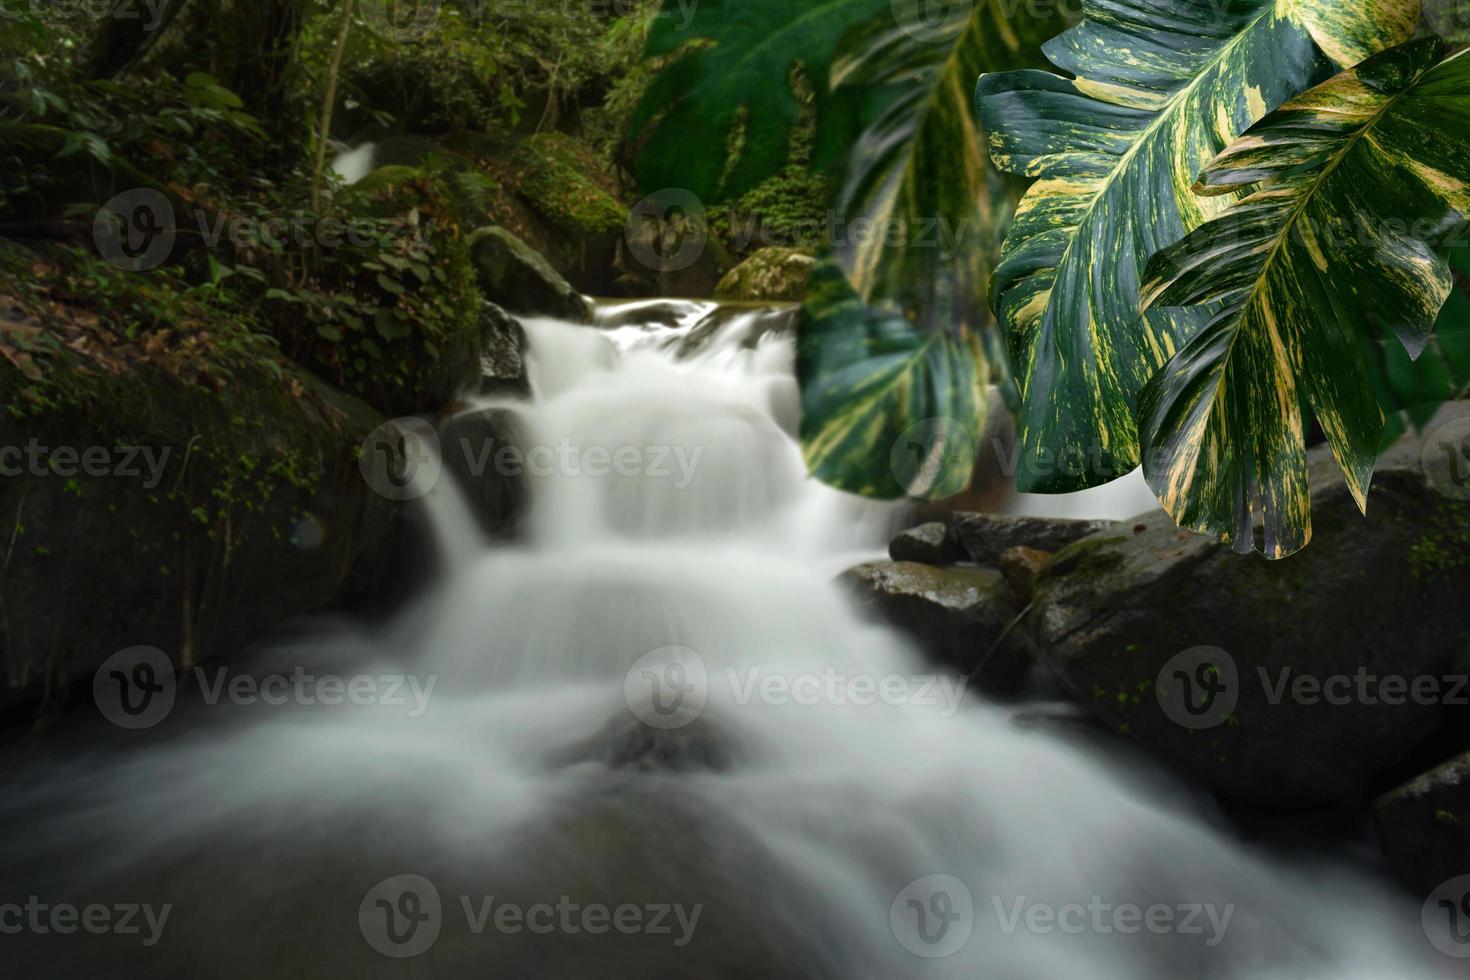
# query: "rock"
(258, 511)
(754, 326)
(502, 365)
(954, 615)
(673, 255)
(648, 312)
(927, 544)
(519, 279)
(1020, 567)
(474, 445)
(564, 180)
(773, 274)
(1424, 826)
(567, 186)
(1370, 599)
(985, 536)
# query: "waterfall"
(657, 697)
(356, 163)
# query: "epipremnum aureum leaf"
(1364, 183)
(1160, 87)
(922, 212)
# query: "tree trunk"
(329, 100)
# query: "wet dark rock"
(629, 744)
(985, 536)
(956, 616)
(503, 366)
(482, 451)
(928, 544)
(654, 312)
(758, 322)
(1313, 660)
(258, 512)
(1424, 826)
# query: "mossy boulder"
(571, 192)
(225, 496)
(517, 278)
(1299, 682)
(564, 180)
(773, 274)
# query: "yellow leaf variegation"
(1364, 183)
(896, 342)
(1160, 87)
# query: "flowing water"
(652, 748)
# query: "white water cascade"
(554, 763)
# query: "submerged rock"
(1280, 683)
(1424, 826)
(477, 447)
(517, 278)
(957, 616)
(774, 274)
(928, 544)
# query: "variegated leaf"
(887, 411)
(731, 74)
(1160, 87)
(922, 213)
(1411, 390)
(1366, 182)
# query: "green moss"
(555, 178)
(1445, 545)
(202, 379)
(1084, 560)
